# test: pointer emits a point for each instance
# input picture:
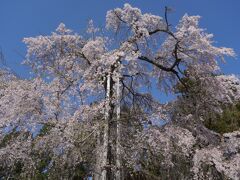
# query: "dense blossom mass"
(89, 110)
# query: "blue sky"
(25, 18)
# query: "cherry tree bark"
(105, 149)
(97, 167)
(118, 141)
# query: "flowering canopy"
(69, 109)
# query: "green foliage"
(228, 121)
(13, 173)
(18, 167)
(40, 176)
(8, 137)
(189, 85)
(210, 172)
(45, 160)
(45, 129)
(80, 171)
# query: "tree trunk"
(118, 140)
(105, 148)
(97, 168)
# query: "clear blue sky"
(25, 18)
